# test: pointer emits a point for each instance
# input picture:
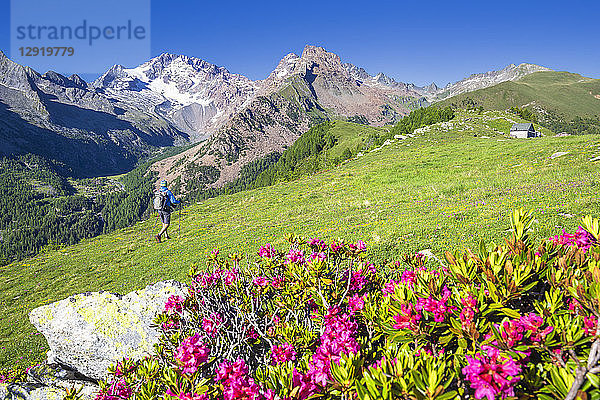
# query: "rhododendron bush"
(318, 320)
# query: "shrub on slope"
(321, 321)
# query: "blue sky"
(416, 41)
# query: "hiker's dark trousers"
(165, 217)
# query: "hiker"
(164, 202)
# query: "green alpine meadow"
(447, 187)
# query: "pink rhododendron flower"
(468, 312)
(360, 246)
(337, 339)
(336, 247)
(581, 238)
(439, 308)
(211, 325)
(118, 390)
(236, 383)
(295, 256)
(170, 324)
(191, 353)
(320, 256)
(357, 281)
(277, 282)
(590, 325)
(317, 244)
(174, 303)
(409, 278)
(407, 319)
(306, 386)
(491, 374)
(282, 353)
(260, 281)
(390, 287)
(356, 303)
(229, 276)
(267, 251)
(533, 322)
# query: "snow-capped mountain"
(64, 119)
(196, 96)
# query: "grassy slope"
(562, 92)
(350, 136)
(443, 188)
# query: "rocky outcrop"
(88, 332)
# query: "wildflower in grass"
(267, 251)
(296, 257)
(191, 354)
(491, 374)
(215, 252)
(174, 303)
(282, 353)
(408, 318)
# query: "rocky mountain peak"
(325, 61)
(74, 80)
(357, 73)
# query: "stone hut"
(523, 131)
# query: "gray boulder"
(89, 332)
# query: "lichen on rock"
(89, 332)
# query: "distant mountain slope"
(300, 92)
(63, 118)
(553, 96)
(196, 96)
(432, 92)
(474, 82)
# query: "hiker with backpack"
(164, 203)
